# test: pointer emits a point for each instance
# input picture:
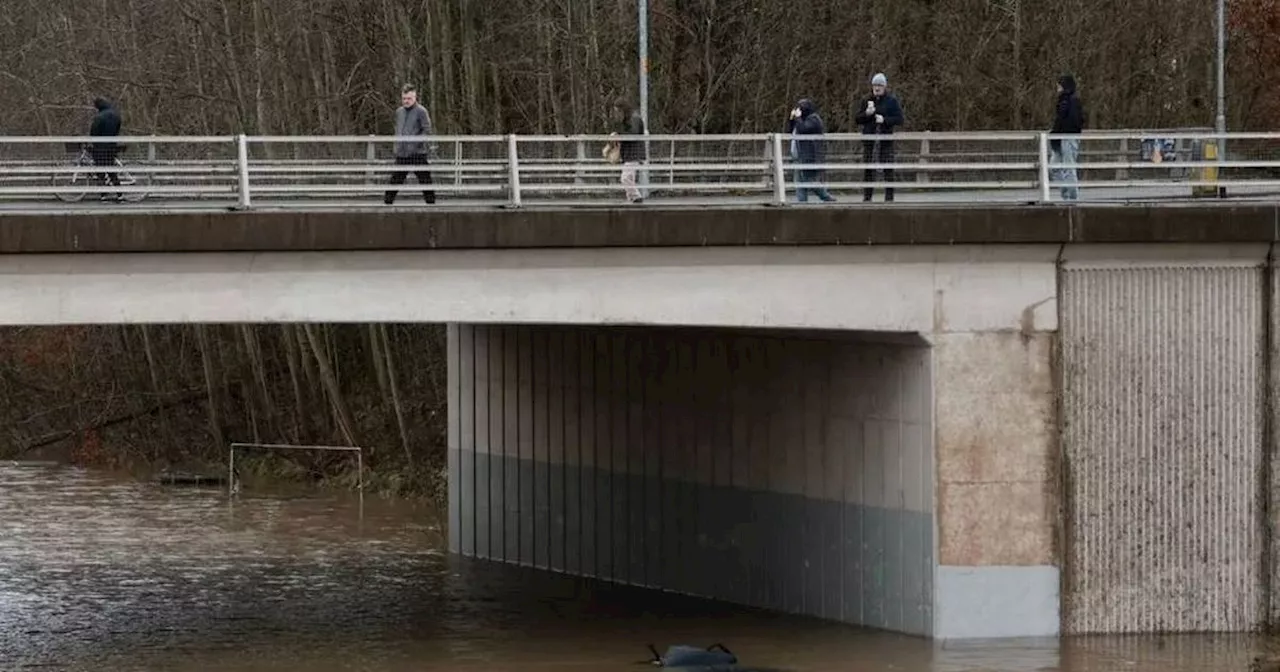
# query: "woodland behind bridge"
(554, 66)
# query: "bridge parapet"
(38, 173)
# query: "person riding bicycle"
(106, 123)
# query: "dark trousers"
(877, 151)
(105, 157)
(399, 176)
(810, 181)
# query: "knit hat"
(879, 80)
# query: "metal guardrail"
(565, 171)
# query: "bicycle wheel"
(72, 187)
(127, 179)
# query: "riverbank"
(144, 399)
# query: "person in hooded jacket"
(878, 114)
(1068, 119)
(805, 120)
(106, 123)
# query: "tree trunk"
(206, 359)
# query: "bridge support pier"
(996, 431)
(791, 470)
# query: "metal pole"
(779, 176)
(1221, 122)
(643, 48)
(1222, 67)
(644, 63)
(1043, 166)
(513, 169)
(242, 161)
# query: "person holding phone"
(804, 120)
(878, 114)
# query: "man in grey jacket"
(411, 120)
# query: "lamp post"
(1220, 124)
(643, 48)
(644, 63)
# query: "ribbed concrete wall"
(791, 472)
(1163, 414)
(1271, 448)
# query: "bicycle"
(86, 178)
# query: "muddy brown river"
(100, 572)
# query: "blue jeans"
(810, 181)
(1069, 152)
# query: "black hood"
(101, 104)
(807, 107)
(1068, 84)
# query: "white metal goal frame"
(244, 446)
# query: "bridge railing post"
(242, 165)
(922, 176)
(1043, 163)
(779, 175)
(580, 156)
(513, 169)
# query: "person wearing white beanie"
(878, 114)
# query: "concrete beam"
(382, 229)
(936, 289)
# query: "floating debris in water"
(716, 656)
(189, 478)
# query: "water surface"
(102, 572)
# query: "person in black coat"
(1068, 119)
(106, 123)
(878, 114)
(805, 120)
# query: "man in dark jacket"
(805, 121)
(106, 124)
(631, 151)
(878, 114)
(1068, 119)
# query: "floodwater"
(98, 572)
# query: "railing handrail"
(504, 169)
(977, 136)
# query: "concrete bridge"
(950, 421)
